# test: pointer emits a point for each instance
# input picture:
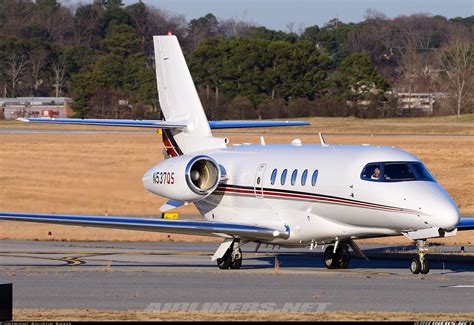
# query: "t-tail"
(185, 128)
(179, 101)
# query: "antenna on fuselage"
(323, 142)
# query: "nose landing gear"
(420, 264)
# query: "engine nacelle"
(183, 178)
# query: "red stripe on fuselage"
(312, 197)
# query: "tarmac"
(140, 276)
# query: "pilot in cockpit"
(376, 174)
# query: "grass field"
(101, 173)
(103, 315)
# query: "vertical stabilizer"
(179, 99)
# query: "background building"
(410, 104)
(13, 108)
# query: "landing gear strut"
(338, 259)
(420, 264)
(232, 258)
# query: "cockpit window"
(372, 172)
(398, 171)
(422, 172)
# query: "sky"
(281, 14)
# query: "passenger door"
(258, 184)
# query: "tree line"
(101, 55)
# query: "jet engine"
(183, 178)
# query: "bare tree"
(291, 27)
(457, 75)
(233, 28)
(36, 62)
(160, 23)
(59, 71)
(15, 66)
(88, 21)
(61, 26)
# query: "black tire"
(224, 262)
(425, 267)
(236, 264)
(236, 259)
(343, 257)
(415, 266)
(330, 259)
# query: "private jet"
(282, 195)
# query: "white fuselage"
(340, 204)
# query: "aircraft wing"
(189, 227)
(161, 124)
(466, 224)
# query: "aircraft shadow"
(315, 260)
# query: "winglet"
(23, 119)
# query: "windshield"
(398, 171)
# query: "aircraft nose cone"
(448, 215)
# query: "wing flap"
(189, 227)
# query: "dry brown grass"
(103, 315)
(101, 173)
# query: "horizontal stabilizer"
(157, 124)
(253, 124)
(466, 224)
(188, 227)
(161, 124)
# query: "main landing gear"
(232, 258)
(337, 257)
(420, 264)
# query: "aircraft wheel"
(343, 256)
(415, 266)
(225, 262)
(236, 259)
(330, 259)
(425, 267)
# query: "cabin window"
(293, 177)
(273, 177)
(314, 178)
(304, 176)
(283, 176)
